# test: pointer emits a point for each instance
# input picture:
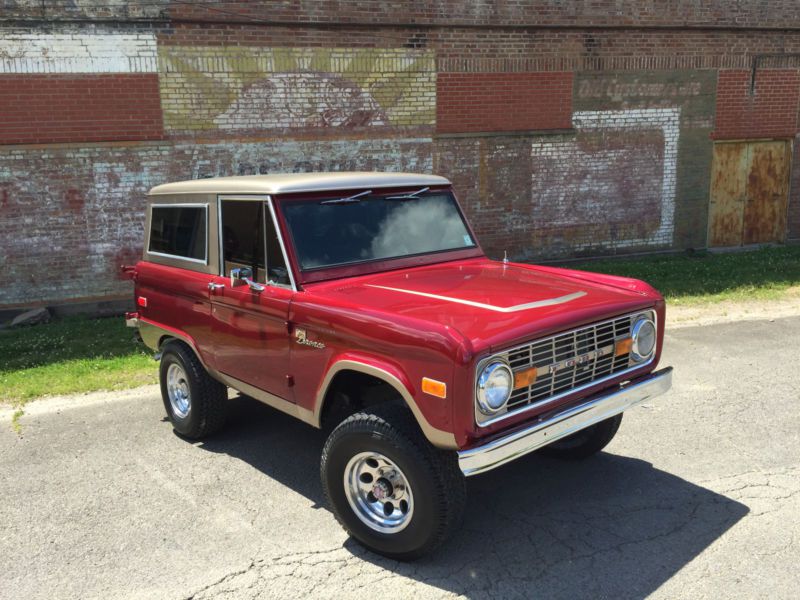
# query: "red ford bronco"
(362, 304)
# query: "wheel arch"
(186, 341)
(157, 335)
(386, 374)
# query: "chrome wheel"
(378, 492)
(178, 390)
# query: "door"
(767, 193)
(249, 325)
(749, 193)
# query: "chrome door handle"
(212, 287)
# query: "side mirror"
(244, 276)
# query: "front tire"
(196, 404)
(388, 487)
(585, 442)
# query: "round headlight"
(644, 339)
(494, 387)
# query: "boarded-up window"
(749, 193)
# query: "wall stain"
(74, 199)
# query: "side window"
(179, 230)
(249, 239)
(243, 237)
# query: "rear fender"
(155, 335)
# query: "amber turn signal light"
(434, 388)
(623, 346)
(525, 378)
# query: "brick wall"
(684, 184)
(78, 212)
(768, 109)
(78, 86)
(246, 90)
(568, 129)
(634, 13)
(493, 102)
(717, 14)
(39, 109)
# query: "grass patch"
(15, 424)
(764, 274)
(72, 355)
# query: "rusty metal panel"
(728, 188)
(767, 192)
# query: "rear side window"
(180, 231)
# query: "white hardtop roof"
(287, 183)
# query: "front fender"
(394, 376)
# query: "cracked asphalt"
(697, 497)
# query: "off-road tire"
(585, 442)
(209, 397)
(438, 486)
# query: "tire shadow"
(606, 527)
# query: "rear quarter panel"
(177, 298)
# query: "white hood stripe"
(502, 309)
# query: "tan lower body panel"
(290, 408)
(152, 334)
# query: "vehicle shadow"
(609, 526)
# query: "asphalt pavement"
(698, 496)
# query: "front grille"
(569, 360)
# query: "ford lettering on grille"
(583, 359)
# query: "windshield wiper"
(409, 195)
(348, 200)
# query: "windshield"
(362, 228)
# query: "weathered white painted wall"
(74, 52)
(610, 171)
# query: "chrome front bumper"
(500, 451)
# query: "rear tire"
(388, 487)
(585, 442)
(196, 403)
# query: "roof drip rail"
(348, 200)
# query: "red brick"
(770, 111)
(475, 102)
(79, 108)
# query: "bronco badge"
(300, 336)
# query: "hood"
(491, 304)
